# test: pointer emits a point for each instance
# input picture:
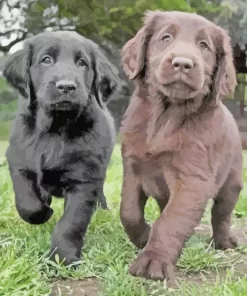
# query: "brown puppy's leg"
(132, 206)
(164, 193)
(162, 202)
(169, 233)
(222, 210)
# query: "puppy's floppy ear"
(16, 71)
(133, 53)
(106, 80)
(225, 77)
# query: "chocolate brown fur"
(181, 145)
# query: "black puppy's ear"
(16, 71)
(106, 80)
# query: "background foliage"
(113, 20)
(110, 23)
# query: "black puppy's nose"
(66, 86)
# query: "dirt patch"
(85, 287)
(198, 278)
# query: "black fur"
(61, 150)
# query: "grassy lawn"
(107, 251)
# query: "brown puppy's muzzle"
(180, 74)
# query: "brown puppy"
(181, 145)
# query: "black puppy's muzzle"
(66, 89)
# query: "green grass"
(107, 251)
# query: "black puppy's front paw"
(35, 213)
(65, 259)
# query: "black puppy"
(63, 135)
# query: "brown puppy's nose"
(182, 64)
(66, 86)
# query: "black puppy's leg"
(102, 200)
(65, 203)
(29, 202)
(67, 238)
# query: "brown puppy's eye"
(46, 60)
(166, 38)
(203, 45)
(81, 63)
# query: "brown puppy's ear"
(133, 53)
(225, 77)
(106, 80)
(16, 71)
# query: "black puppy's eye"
(81, 63)
(166, 38)
(203, 45)
(46, 60)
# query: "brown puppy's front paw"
(151, 265)
(224, 243)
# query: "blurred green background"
(111, 23)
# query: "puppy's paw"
(36, 214)
(65, 260)
(225, 242)
(151, 265)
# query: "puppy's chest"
(55, 165)
(147, 140)
(53, 153)
(57, 154)
(150, 172)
